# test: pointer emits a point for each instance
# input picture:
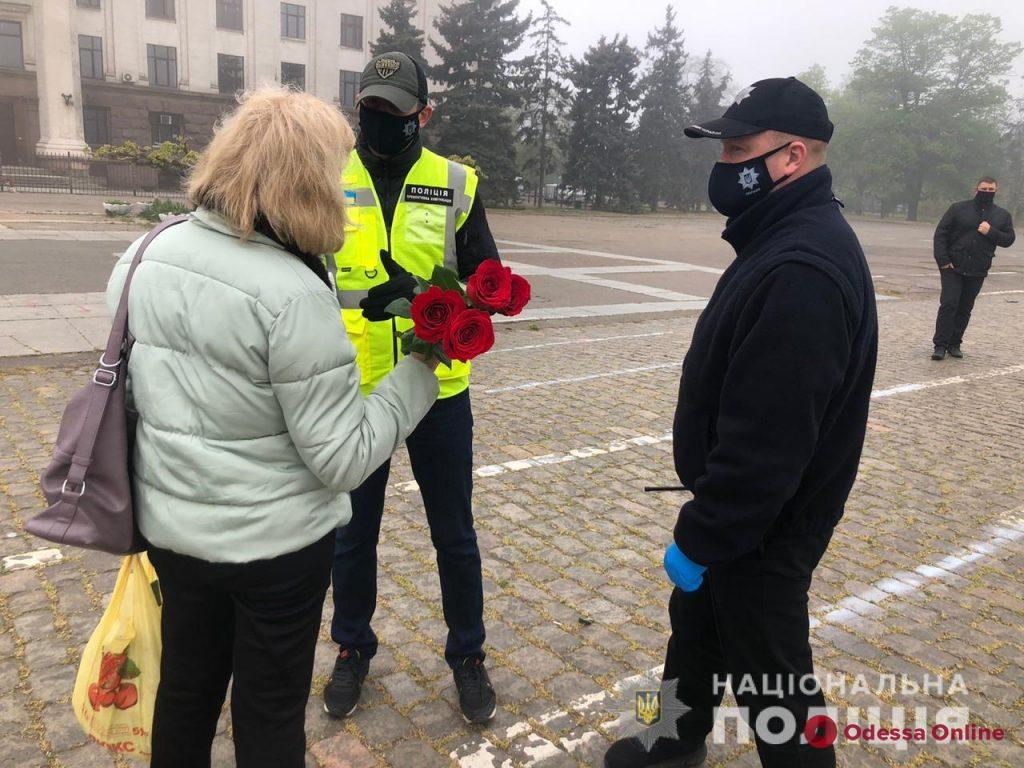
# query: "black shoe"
(954, 351)
(667, 753)
(938, 353)
(342, 692)
(476, 696)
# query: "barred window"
(229, 14)
(96, 121)
(230, 73)
(165, 126)
(90, 56)
(349, 88)
(351, 31)
(293, 21)
(163, 65)
(293, 75)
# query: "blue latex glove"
(683, 572)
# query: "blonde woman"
(252, 428)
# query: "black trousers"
(256, 622)
(749, 617)
(956, 302)
(441, 455)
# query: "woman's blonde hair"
(279, 154)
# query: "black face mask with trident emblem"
(387, 134)
(734, 187)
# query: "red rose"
(94, 696)
(433, 310)
(490, 287)
(469, 334)
(520, 296)
(111, 663)
(127, 696)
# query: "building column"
(58, 83)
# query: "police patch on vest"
(418, 193)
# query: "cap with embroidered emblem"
(397, 79)
(777, 104)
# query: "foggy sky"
(766, 38)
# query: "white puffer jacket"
(251, 425)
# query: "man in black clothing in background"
(965, 244)
(773, 407)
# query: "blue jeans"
(441, 455)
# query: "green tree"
(936, 93)
(402, 33)
(1011, 171)
(816, 77)
(545, 96)
(602, 147)
(706, 95)
(665, 103)
(478, 75)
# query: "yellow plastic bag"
(117, 680)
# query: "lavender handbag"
(88, 483)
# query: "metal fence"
(68, 174)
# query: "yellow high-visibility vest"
(434, 204)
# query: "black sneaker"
(342, 692)
(954, 351)
(476, 696)
(667, 753)
(938, 353)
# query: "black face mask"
(388, 134)
(984, 198)
(734, 187)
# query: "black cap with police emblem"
(396, 78)
(777, 104)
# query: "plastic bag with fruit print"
(117, 680)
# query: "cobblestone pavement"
(924, 575)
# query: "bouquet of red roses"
(454, 323)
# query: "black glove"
(401, 285)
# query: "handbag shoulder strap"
(104, 379)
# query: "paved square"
(573, 410)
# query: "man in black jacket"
(773, 407)
(965, 244)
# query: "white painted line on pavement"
(904, 388)
(606, 255)
(603, 310)
(576, 379)
(583, 276)
(998, 293)
(576, 342)
(847, 612)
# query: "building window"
(97, 125)
(90, 56)
(88, 3)
(230, 73)
(293, 75)
(160, 9)
(351, 31)
(349, 88)
(229, 14)
(293, 21)
(165, 126)
(10, 45)
(163, 65)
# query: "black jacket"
(773, 401)
(958, 241)
(473, 242)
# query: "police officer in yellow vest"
(409, 210)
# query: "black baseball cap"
(396, 78)
(776, 104)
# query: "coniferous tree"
(602, 147)
(665, 104)
(479, 88)
(401, 33)
(546, 96)
(707, 92)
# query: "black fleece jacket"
(473, 242)
(773, 401)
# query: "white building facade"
(80, 73)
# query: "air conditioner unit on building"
(127, 77)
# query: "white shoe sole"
(481, 722)
(340, 717)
